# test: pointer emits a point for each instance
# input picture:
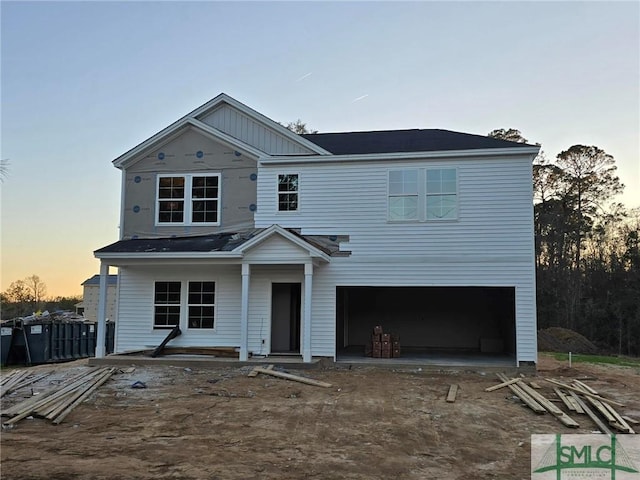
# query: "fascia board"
(276, 229)
(281, 160)
(260, 118)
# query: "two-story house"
(247, 235)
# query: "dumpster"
(76, 336)
(6, 335)
(39, 341)
(91, 339)
(57, 341)
(68, 341)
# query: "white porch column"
(244, 315)
(306, 326)
(102, 310)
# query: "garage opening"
(461, 320)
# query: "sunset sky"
(83, 82)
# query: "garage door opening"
(428, 320)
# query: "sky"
(83, 82)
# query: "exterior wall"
(238, 125)
(180, 156)
(90, 297)
(490, 244)
(135, 310)
(135, 325)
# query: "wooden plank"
(503, 384)
(453, 391)
(555, 411)
(620, 423)
(530, 402)
(603, 428)
(564, 399)
(535, 385)
(631, 420)
(576, 405)
(84, 396)
(586, 394)
(295, 378)
(585, 386)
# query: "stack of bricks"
(383, 345)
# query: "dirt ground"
(220, 424)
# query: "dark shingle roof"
(95, 280)
(392, 141)
(217, 242)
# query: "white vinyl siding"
(490, 243)
(240, 126)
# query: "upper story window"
(403, 194)
(288, 192)
(419, 194)
(188, 199)
(441, 194)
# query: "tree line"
(587, 247)
(27, 296)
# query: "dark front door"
(285, 317)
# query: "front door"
(285, 317)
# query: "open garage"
(428, 320)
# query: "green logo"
(582, 456)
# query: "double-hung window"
(288, 192)
(403, 194)
(423, 194)
(200, 304)
(166, 304)
(441, 194)
(192, 199)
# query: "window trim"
(297, 192)
(155, 304)
(183, 322)
(422, 195)
(188, 200)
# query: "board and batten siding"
(490, 244)
(135, 307)
(238, 125)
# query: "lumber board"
(84, 396)
(631, 420)
(555, 411)
(608, 412)
(586, 394)
(570, 405)
(603, 428)
(535, 385)
(503, 384)
(576, 405)
(620, 422)
(295, 378)
(585, 386)
(530, 402)
(211, 351)
(453, 391)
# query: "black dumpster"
(68, 341)
(6, 334)
(76, 335)
(57, 341)
(39, 341)
(91, 339)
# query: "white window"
(441, 194)
(403, 194)
(166, 305)
(288, 192)
(200, 304)
(192, 199)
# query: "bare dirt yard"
(373, 423)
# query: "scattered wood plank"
(603, 428)
(631, 420)
(530, 402)
(101, 380)
(254, 372)
(453, 391)
(570, 405)
(620, 422)
(555, 411)
(585, 387)
(535, 385)
(229, 352)
(295, 378)
(586, 394)
(503, 384)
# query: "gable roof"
(194, 118)
(95, 280)
(399, 141)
